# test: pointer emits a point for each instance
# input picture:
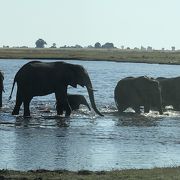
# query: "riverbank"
(117, 55)
(148, 174)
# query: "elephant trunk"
(86, 104)
(91, 97)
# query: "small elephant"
(1, 87)
(38, 78)
(170, 91)
(138, 91)
(75, 100)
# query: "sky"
(129, 23)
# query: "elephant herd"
(148, 92)
(38, 78)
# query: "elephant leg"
(176, 107)
(121, 109)
(59, 108)
(26, 107)
(137, 109)
(74, 101)
(146, 108)
(68, 112)
(18, 103)
(62, 103)
(68, 109)
(0, 99)
(63, 106)
(74, 106)
(160, 111)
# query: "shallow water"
(86, 140)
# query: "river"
(86, 140)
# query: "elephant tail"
(12, 89)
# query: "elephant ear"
(76, 75)
(141, 86)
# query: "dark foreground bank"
(133, 174)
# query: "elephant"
(75, 100)
(170, 91)
(138, 91)
(1, 87)
(37, 78)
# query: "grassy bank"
(164, 57)
(146, 174)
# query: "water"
(86, 140)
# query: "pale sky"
(131, 23)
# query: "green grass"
(133, 174)
(163, 57)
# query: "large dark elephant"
(170, 90)
(38, 78)
(138, 91)
(1, 87)
(75, 100)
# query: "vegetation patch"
(131, 174)
(105, 54)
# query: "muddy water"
(85, 140)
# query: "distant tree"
(97, 45)
(136, 49)
(173, 48)
(5, 46)
(122, 47)
(40, 43)
(65, 46)
(90, 46)
(77, 46)
(143, 48)
(108, 45)
(53, 45)
(149, 48)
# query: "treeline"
(40, 43)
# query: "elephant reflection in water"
(38, 78)
(138, 91)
